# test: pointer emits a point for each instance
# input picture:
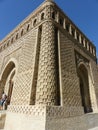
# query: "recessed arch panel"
(7, 78)
(84, 88)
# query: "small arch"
(94, 52)
(16, 36)
(85, 44)
(53, 15)
(42, 16)
(91, 49)
(35, 21)
(61, 21)
(73, 32)
(78, 37)
(84, 88)
(82, 40)
(12, 40)
(28, 27)
(88, 46)
(22, 32)
(7, 43)
(67, 26)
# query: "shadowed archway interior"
(84, 88)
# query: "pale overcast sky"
(84, 13)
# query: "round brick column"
(47, 83)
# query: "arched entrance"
(84, 88)
(7, 80)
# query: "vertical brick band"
(47, 73)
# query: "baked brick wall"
(84, 122)
(26, 60)
(46, 67)
(91, 66)
(70, 81)
(11, 53)
(47, 73)
(23, 84)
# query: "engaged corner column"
(47, 82)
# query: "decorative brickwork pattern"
(28, 51)
(22, 88)
(28, 109)
(84, 61)
(70, 81)
(13, 51)
(84, 122)
(48, 12)
(47, 73)
(46, 87)
(23, 84)
(63, 112)
(36, 65)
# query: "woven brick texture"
(47, 73)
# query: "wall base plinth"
(49, 118)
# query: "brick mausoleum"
(48, 70)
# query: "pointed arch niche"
(7, 80)
(84, 88)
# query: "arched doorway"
(7, 80)
(84, 88)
